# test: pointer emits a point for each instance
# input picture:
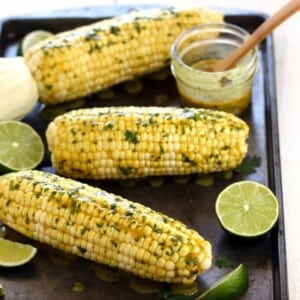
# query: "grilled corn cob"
(102, 227)
(91, 58)
(135, 142)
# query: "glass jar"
(202, 45)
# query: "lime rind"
(13, 254)
(231, 286)
(247, 209)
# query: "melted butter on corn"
(91, 58)
(135, 142)
(103, 227)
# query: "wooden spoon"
(256, 37)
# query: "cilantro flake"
(166, 294)
(131, 137)
(224, 262)
(248, 165)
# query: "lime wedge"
(247, 209)
(231, 286)
(31, 39)
(21, 148)
(14, 254)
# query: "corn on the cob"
(135, 142)
(90, 58)
(102, 227)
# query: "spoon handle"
(257, 36)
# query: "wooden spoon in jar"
(256, 37)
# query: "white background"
(287, 49)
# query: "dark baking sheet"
(191, 203)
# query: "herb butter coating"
(137, 142)
(91, 58)
(103, 227)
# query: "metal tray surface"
(193, 204)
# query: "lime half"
(231, 286)
(21, 148)
(31, 39)
(247, 209)
(14, 254)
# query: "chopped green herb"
(74, 206)
(113, 206)
(27, 221)
(177, 238)
(225, 147)
(126, 171)
(13, 186)
(37, 194)
(248, 165)
(115, 30)
(186, 159)
(152, 120)
(94, 48)
(137, 27)
(224, 262)
(156, 229)
(131, 137)
(164, 219)
(191, 261)
(81, 249)
(166, 294)
(129, 213)
(83, 230)
(118, 199)
(114, 243)
(92, 35)
(99, 225)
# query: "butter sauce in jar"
(195, 50)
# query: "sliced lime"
(230, 287)
(31, 39)
(14, 254)
(21, 148)
(247, 209)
